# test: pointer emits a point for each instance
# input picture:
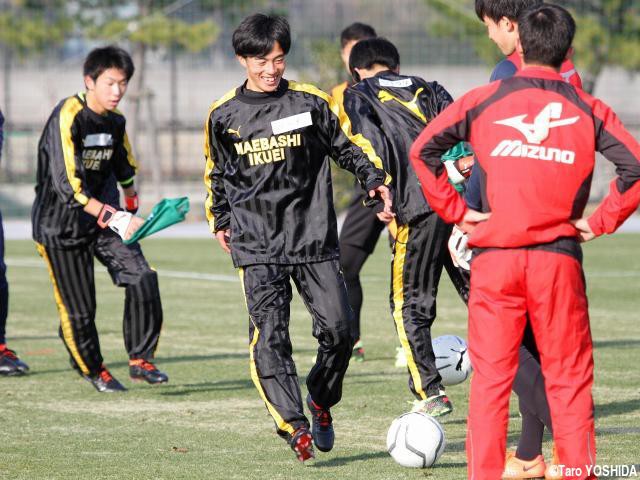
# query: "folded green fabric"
(164, 214)
(453, 154)
(459, 151)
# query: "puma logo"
(412, 106)
(234, 132)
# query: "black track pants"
(72, 275)
(268, 294)
(418, 256)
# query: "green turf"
(209, 422)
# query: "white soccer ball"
(452, 359)
(415, 440)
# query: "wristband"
(106, 215)
(131, 203)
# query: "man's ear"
(509, 25)
(570, 53)
(242, 60)
(89, 83)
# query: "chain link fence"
(167, 112)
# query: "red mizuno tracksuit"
(535, 138)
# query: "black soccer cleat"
(321, 426)
(141, 370)
(302, 444)
(10, 364)
(104, 382)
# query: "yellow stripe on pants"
(67, 329)
(280, 422)
(399, 255)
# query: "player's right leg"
(268, 295)
(416, 270)
(72, 276)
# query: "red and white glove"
(460, 252)
(116, 220)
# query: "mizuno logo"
(538, 131)
(235, 132)
(515, 148)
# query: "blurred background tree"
(608, 33)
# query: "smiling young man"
(82, 155)
(269, 203)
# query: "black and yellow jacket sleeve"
(81, 155)
(390, 110)
(267, 176)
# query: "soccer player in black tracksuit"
(361, 228)
(269, 203)
(83, 152)
(391, 110)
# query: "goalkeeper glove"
(460, 252)
(116, 220)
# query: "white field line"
(24, 262)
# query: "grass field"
(209, 423)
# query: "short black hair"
(257, 35)
(104, 58)
(496, 9)
(356, 31)
(371, 51)
(546, 34)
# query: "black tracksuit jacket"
(391, 110)
(268, 176)
(81, 155)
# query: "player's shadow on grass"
(622, 343)
(617, 408)
(204, 387)
(341, 461)
(189, 358)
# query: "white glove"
(120, 223)
(460, 253)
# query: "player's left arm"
(125, 167)
(354, 152)
(615, 142)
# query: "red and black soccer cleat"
(10, 364)
(142, 370)
(104, 382)
(302, 444)
(321, 426)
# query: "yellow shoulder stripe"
(68, 113)
(210, 161)
(130, 156)
(345, 123)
